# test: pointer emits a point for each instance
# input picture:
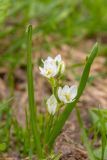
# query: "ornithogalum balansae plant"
(59, 105)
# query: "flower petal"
(66, 88)
(60, 94)
(73, 90)
(62, 67)
(52, 104)
(41, 70)
(49, 59)
(58, 58)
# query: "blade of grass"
(27, 138)
(84, 136)
(32, 107)
(103, 132)
(68, 109)
(86, 71)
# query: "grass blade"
(68, 109)
(86, 71)
(32, 107)
(103, 132)
(85, 137)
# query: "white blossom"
(51, 67)
(67, 94)
(60, 63)
(52, 104)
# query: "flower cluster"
(52, 68)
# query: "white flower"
(52, 104)
(60, 63)
(51, 67)
(67, 94)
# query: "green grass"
(99, 121)
(5, 125)
(84, 136)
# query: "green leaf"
(32, 107)
(68, 109)
(86, 71)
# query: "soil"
(69, 141)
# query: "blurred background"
(55, 23)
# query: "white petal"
(73, 90)
(41, 70)
(58, 58)
(52, 104)
(49, 59)
(60, 94)
(62, 67)
(66, 88)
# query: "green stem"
(48, 127)
(32, 107)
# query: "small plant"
(59, 105)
